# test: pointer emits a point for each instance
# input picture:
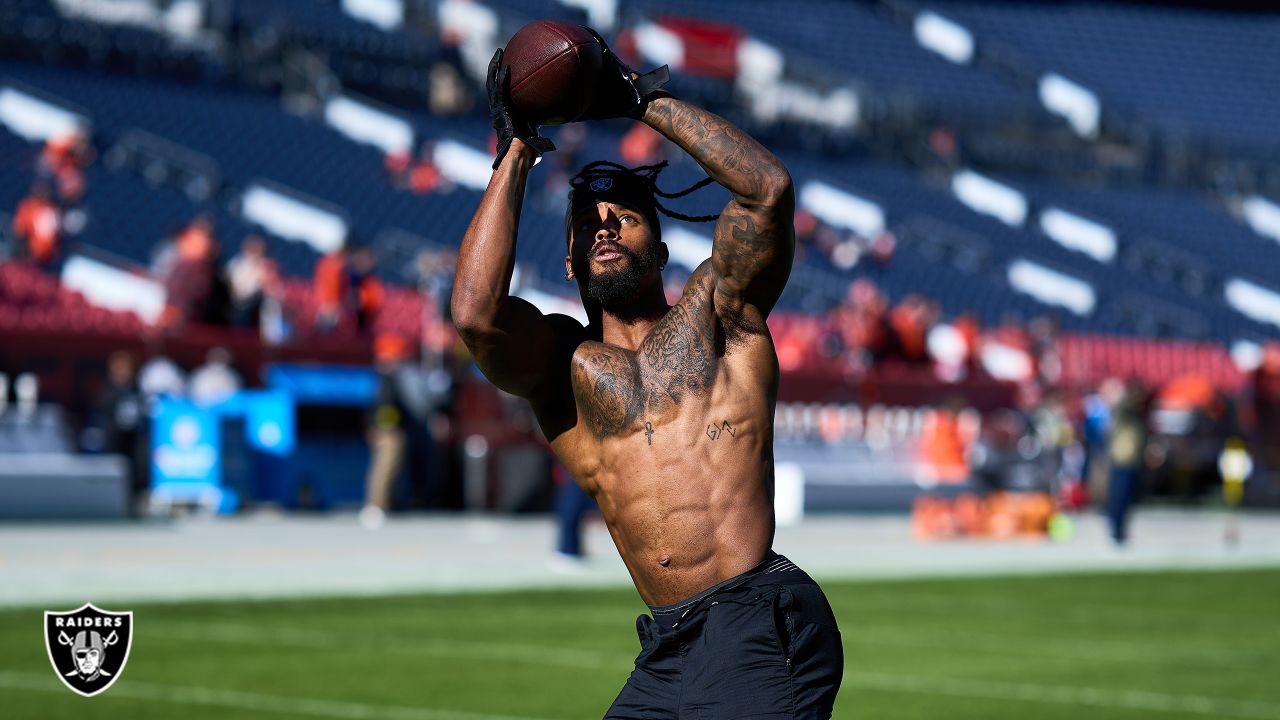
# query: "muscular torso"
(675, 441)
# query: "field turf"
(1160, 645)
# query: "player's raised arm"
(754, 239)
(511, 340)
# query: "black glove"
(505, 120)
(618, 94)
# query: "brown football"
(555, 66)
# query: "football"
(555, 66)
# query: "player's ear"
(663, 255)
(568, 267)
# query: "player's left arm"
(754, 241)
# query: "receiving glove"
(620, 95)
(506, 122)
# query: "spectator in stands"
(252, 276)
(63, 160)
(37, 227)
(882, 248)
(1126, 450)
(642, 145)
(369, 292)
(970, 329)
(70, 149)
(332, 286)
(121, 411)
(806, 224)
(421, 176)
(1043, 332)
(189, 281)
(862, 324)
(911, 320)
(217, 308)
(215, 380)
(449, 93)
(424, 175)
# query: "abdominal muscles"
(690, 514)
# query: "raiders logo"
(88, 647)
(601, 184)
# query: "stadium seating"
(1089, 359)
(31, 300)
(1176, 249)
(1188, 71)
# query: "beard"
(615, 288)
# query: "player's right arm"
(511, 340)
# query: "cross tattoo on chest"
(648, 431)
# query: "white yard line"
(236, 700)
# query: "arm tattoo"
(753, 245)
(728, 154)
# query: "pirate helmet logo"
(88, 647)
(601, 184)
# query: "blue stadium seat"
(1192, 72)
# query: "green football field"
(1168, 645)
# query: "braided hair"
(635, 187)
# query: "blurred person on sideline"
(1126, 452)
(397, 428)
(37, 226)
(252, 276)
(943, 443)
(215, 380)
(332, 287)
(159, 376)
(370, 295)
(122, 414)
(572, 504)
(1094, 431)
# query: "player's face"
(609, 235)
(611, 251)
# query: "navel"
(665, 560)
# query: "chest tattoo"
(678, 359)
(605, 381)
(716, 431)
(679, 353)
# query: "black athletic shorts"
(761, 645)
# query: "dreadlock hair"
(636, 187)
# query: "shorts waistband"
(773, 563)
